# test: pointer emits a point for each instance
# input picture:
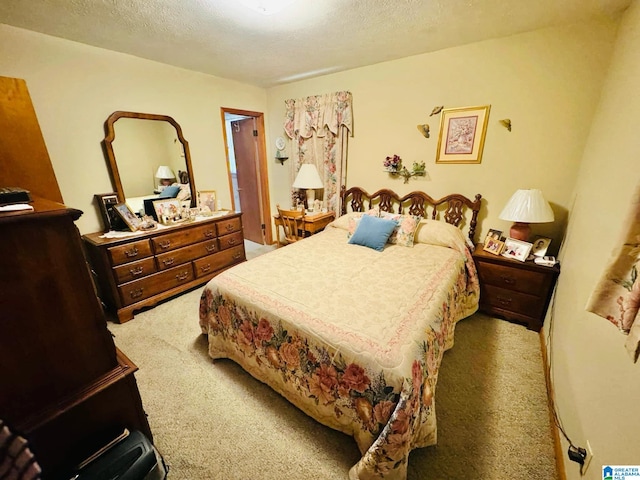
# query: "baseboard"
(551, 402)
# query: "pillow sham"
(349, 221)
(372, 232)
(405, 230)
(440, 233)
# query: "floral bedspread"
(351, 336)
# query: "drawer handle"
(181, 276)
(131, 253)
(136, 271)
(507, 279)
(169, 261)
(231, 241)
(164, 244)
(210, 248)
(229, 227)
(208, 234)
(205, 268)
(136, 293)
(236, 256)
(505, 301)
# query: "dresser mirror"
(146, 154)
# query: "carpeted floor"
(214, 421)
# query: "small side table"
(313, 223)
(514, 290)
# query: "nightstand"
(514, 290)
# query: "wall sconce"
(280, 155)
(281, 158)
(523, 208)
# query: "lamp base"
(311, 198)
(520, 231)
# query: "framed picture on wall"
(462, 133)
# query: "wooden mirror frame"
(110, 137)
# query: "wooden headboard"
(452, 208)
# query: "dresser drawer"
(211, 263)
(181, 238)
(134, 270)
(130, 252)
(517, 302)
(138, 290)
(229, 226)
(229, 241)
(519, 280)
(186, 254)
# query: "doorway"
(244, 138)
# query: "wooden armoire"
(64, 385)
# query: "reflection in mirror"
(147, 153)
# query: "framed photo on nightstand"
(516, 249)
(540, 246)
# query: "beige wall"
(596, 384)
(547, 82)
(75, 87)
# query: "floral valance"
(321, 113)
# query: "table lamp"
(165, 176)
(525, 207)
(308, 179)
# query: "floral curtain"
(320, 126)
(617, 295)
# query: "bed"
(353, 336)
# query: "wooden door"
(245, 145)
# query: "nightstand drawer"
(519, 280)
(517, 302)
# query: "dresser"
(514, 290)
(143, 269)
(63, 384)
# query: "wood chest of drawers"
(141, 270)
(514, 290)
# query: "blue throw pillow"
(372, 232)
(169, 192)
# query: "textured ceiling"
(306, 39)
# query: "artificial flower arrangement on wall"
(393, 165)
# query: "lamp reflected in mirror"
(165, 177)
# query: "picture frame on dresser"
(127, 216)
(110, 219)
(168, 210)
(207, 202)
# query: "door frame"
(263, 172)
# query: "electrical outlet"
(587, 460)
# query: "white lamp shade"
(527, 206)
(164, 172)
(308, 177)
